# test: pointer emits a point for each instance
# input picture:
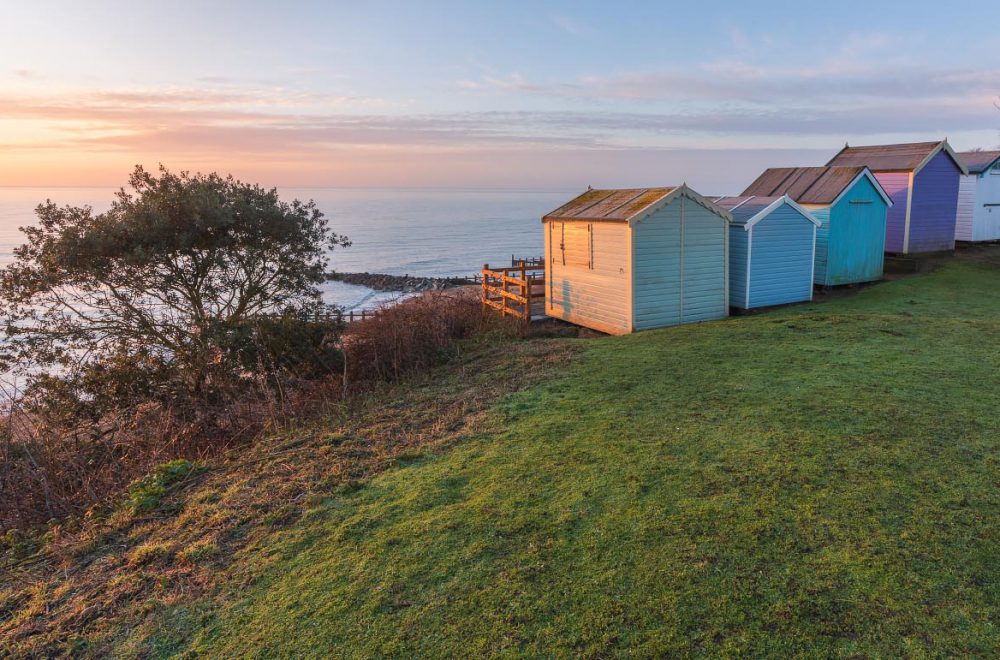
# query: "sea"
(425, 233)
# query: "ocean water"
(430, 233)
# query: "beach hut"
(978, 217)
(625, 260)
(851, 206)
(922, 181)
(772, 241)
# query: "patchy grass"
(817, 480)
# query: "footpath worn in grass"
(821, 479)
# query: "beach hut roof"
(978, 162)
(624, 204)
(748, 210)
(812, 185)
(895, 157)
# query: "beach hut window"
(995, 170)
(861, 201)
(578, 245)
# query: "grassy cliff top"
(820, 479)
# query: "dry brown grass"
(95, 584)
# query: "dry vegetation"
(49, 472)
(119, 565)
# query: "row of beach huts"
(625, 260)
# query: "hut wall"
(705, 268)
(966, 207)
(781, 262)
(656, 245)
(856, 250)
(934, 203)
(680, 268)
(986, 214)
(739, 244)
(587, 280)
(897, 187)
(821, 213)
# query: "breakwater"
(403, 283)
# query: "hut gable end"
(910, 157)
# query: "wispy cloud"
(572, 26)
(737, 81)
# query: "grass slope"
(820, 479)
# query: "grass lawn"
(818, 480)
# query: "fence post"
(503, 298)
(526, 292)
(486, 293)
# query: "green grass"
(819, 480)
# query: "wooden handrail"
(511, 290)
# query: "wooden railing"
(518, 291)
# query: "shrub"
(416, 334)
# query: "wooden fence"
(518, 291)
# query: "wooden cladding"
(577, 244)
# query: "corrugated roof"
(609, 205)
(886, 157)
(806, 185)
(744, 208)
(978, 161)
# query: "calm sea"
(401, 232)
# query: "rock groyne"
(404, 283)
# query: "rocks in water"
(405, 283)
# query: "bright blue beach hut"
(624, 260)
(922, 179)
(851, 206)
(772, 243)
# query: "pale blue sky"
(499, 94)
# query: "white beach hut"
(979, 197)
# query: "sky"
(496, 95)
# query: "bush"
(57, 462)
(416, 334)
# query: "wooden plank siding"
(857, 232)
(850, 241)
(897, 187)
(986, 215)
(739, 257)
(705, 285)
(966, 207)
(656, 260)
(781, 265)
(933, 206)
(978, 209)
(587, 280)
(821, 213)
(680, 268)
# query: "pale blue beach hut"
(772, 244)
(624, 260)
